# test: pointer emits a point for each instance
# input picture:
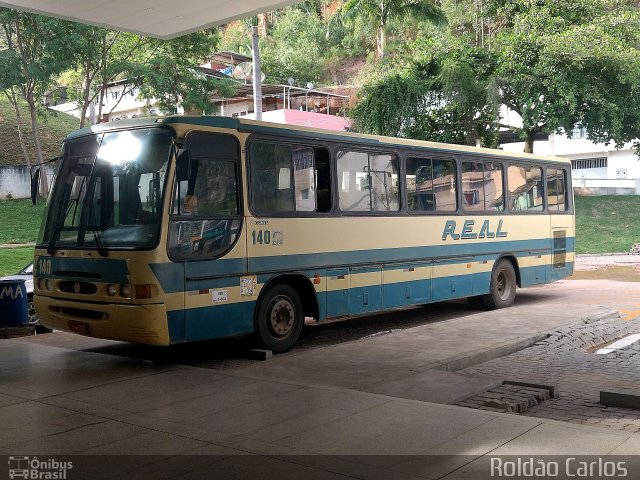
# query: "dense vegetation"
(429, 69)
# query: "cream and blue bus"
(163, 231)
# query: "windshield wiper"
(102, 251)
(56, 231)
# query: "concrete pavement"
(361, 409)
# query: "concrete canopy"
(163, 19)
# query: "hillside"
(54, 126)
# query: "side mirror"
(35, 184)
(183, 165)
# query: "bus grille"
(83, 288)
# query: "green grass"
(607, 224)
(53, 127)
(20, 220)
(13, 259)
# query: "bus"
(178, 229)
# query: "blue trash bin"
(14, 310)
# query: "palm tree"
(381, 11)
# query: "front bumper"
(146, 324)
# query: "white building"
(598, 169)
(120, 103)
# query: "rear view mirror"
(35, 183)
(183, 165)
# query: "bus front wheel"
(502, 289)
(279, 318)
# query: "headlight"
(125, 290)
(40, 284)
(49, 285)
(112, 290)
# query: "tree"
(9, 79)
(99, 57)
(171, 77)
(37, 54)
(571, 62)
(296, 47)
(380, 12)
(441, 95)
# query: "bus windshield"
(109, 191)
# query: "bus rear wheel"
(502, 289)
(279, 318)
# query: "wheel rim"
(503, 285)
(281, 316)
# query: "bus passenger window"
(482, 187)
(289, 178)
(556, 190)
(431, 185)
(525, 189)
(368, 182)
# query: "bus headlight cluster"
(121, 290)
(127, 290)
(45, 284)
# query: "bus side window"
(431, 185)
(368, 181)
(482, 187)
(289, 178)
(556, 189)
(525, 189)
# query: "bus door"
(561, 222)
(206, 225)
(559, 265)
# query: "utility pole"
(257, 80)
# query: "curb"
(17, 245)
(454, 364)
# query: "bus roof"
(257, 126)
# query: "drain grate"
(514, 397)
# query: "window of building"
(368, 182)
(114, 95)
(482, 189)
(431, 185)
(525, 188)
(289, 178)
(583, 163)
(556, 189)
(579, 132)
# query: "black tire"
(34, 320)
(502, 290)
(279, 318)
(33, 317)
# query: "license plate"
(79, 327)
